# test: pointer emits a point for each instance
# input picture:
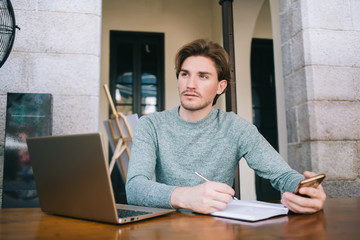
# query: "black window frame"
(137, 38)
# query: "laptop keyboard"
(123, 213)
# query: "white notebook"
(251, 210)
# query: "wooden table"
(340, 219)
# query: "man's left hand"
(314, 201)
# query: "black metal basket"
(7, 29)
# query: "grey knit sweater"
(172, 149)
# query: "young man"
(174, 144)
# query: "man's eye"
(183, 74)
(203, 76)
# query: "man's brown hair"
(209, 49)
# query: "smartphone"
(310, 182)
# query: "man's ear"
(221, 86)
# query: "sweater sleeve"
(140, 187)
(268, 163)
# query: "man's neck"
(194, 116)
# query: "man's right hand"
(205, 198)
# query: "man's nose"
(192, 82)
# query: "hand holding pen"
(207, 180)
(204, 198)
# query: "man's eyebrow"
(200, 72)
(205, 73)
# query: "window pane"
(123, 94)
(147, 109)
(149, 94)
(126, 77)
(149, 61)
(124, 55)
(125, 109)
(148, 78)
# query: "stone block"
(75, 114)
(64, 74)
(333, 83)
(330, 47)
(333, 120)
(342, 189)
(304, 116)
(356, 75)
(295, 88)
(299, 157)
(296, 18)
(324, 14)
(1, 171)
(29, 5)
(284, 5)
(285, 26)
(355, 9)
(13, 74)
(358, 155)
(339, 160)
(3, 103)
(291, 126)
(299, 53)
(58, 32)
(286, 59)
(79, 6)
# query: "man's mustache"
(191, 92)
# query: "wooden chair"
(120, 135)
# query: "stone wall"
(56, 51)
(321, 67)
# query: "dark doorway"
(264, 105)
(136, 80)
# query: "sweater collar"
(206, 120)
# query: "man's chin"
(193, 107)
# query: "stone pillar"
(321, 68)
(56, 51)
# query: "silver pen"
(207, 180)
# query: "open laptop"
(72, 179)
